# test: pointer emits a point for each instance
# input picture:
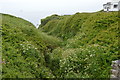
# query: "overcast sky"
(34, 10)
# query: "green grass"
(82, 45)
(90, 44)
(24, 49)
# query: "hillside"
(24, 49)
(90, 43)
(82, 45)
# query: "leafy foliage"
(90, 44)
(24, 48)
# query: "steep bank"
(24, 49)
(90, 44)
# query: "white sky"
(34, 10)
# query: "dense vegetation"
(70, 46)
(23, 49)
(90, 44)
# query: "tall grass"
(90, 44)
(69, 46)
(24, 49)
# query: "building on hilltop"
(114, 5)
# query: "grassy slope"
(63, 26)
(24, 49)
(90, 44)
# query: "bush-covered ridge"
(68, 26)
(24, 48)
(90, 44)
